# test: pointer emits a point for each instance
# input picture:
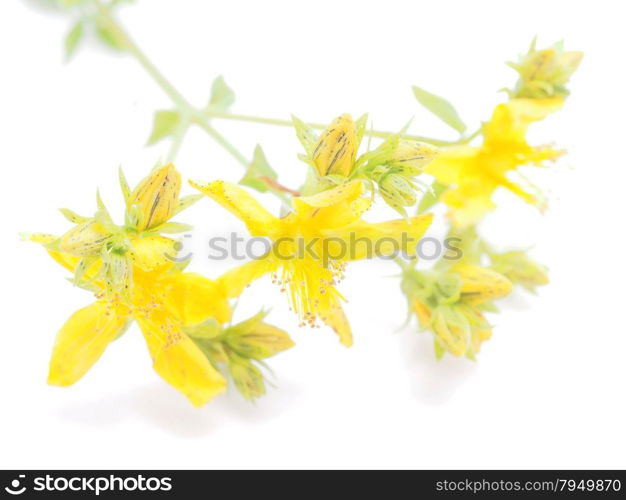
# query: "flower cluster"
(186, 319)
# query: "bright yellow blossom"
(162, 301)
(119, 248)
(329, 225)
(172, 309)
(132, 271)
(472, 174)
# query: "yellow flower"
(133, 272)
(312, 244)
(117, 249)
(162, 303)
(472, 174)
(451, 304)
(175, 310)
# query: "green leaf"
(208, 329)
(222, 96)
(257, 170)
(186, 201)
(430, 197)
(439, 350)
(73, 38)
(126, 192)
(72, 216)
(361, 125)
(165, 124)
(306, 135)
(440, 108)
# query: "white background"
(547, 390)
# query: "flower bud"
(451, 329)
(84, 239)
(397, 191)
(480, 285)
(117, 273)
(412, 154)
(544, 73)
(520, 269)
(155, 199)
(254, 339)
(247, 377)
(335, 151)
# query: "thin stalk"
(320, 126)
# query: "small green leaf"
(440, 108)
(361, 125)
(102, 214)
(430, 197)
(73, 38)
(72, 216)
(257, 170)
(222, 96)
(439, 349)
(208, 329)
(186, 201)
(124, 186)
(306, 135)
(165, 124)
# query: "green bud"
(247, 377)
(520, 269)
(84, 239)
(254, 339)
(545, 73)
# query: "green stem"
(194, 115)
(178, 139)
(220, 139)
(320, 126)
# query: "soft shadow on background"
(162, 407)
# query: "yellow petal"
(450, 165)
(234, 282)
(150, 252)
(348, 191)
(339, 215)
(240, 203)
(510, 120)
(178, 360)
(337, 320)
(362, 240)
(423, 312)
(531, 110)
(469, 203)
(194, 298)
(156, 197)
(83, 339)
